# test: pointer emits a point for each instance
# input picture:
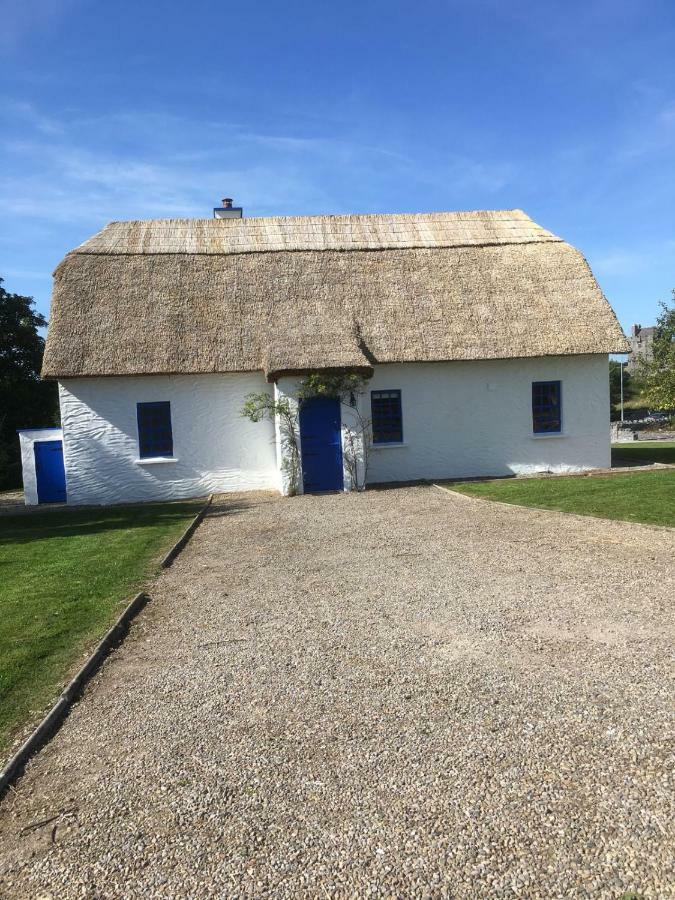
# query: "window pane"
(386, 417)
(546, 407)
(154, 429)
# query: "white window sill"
(155, 460)
(548, 435)
(385, 446)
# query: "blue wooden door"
(321, 445)
(50, 472)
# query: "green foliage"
(66, 574)
(659, 374)
(262, 406)
(634, 497)
(342, 385)
(615, 384)
(25, 401)
(345, 387)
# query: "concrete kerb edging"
(187, 534)
(58, 712)
(113, 636)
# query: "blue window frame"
(546, 407)
(155, 437)
(387, 420)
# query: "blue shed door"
(50, 472)
(321, 445)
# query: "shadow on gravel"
(231, 509)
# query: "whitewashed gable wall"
(463, 419)
(214, 447)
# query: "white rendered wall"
(27, 440)
(215, 449)
(464, 419)
(355, 436)
(286, 389)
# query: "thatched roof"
(295, 294)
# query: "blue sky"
(158, 109)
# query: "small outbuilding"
(44, 475)
(480, 339)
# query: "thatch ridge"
(140, 308)
(319, 233)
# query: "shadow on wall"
(210, 440)
(106, 469)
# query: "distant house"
(484, 340)
(641, 349)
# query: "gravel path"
(405, 693)
(11, 502)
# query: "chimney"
(227, 211)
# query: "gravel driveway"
(404, 693)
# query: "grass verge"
(647, 497)
(643, 452)
(65, 575)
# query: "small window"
(386, 415)
(546, 407)
(154, 429)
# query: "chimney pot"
(227, 211)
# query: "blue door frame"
(50, 472)
(321, 445)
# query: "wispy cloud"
(620, 262)
(65, 169)
(21, 19)
(25, 112)
(650, 132)
(632, 261)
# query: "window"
(154, 429)
(546, 407)
(386, 415)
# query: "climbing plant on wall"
(345, 387)
(262, 406)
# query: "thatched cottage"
(483, 340)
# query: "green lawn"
(643, 452)
(647, 497)
(65, 575)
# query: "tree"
(25, 400)
(615, 384)
(659, 373)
